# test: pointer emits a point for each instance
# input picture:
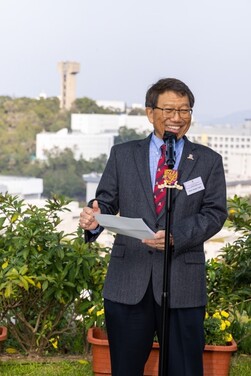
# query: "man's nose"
(176, 115)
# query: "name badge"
(194, 185)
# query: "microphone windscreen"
(169, 136)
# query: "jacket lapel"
(141, 155)
(188, 161)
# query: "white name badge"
(194, 185)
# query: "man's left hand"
(159, 240)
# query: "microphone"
(170, 139)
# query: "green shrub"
(43, 273)
(229, 275)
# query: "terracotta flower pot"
(3, 336)
(3, 333)
(216, 359)
(101, 364)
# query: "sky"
(125, 46)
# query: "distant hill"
(236, 118)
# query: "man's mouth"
(173, 128)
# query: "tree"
(94, 165)
(61, 175)
(137, 111)
(20, 120)
(88, 106)
(128, 134)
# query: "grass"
(65, 368)
(241, 366)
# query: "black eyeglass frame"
(187, 112)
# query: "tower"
(68, 70)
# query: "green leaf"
(2, 220)
(29, 280)
(14, 217)
(23, 270)
(44, 285)
(24, 283)
(8, 290)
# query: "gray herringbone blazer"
(125, 187)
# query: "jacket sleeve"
(106, 194)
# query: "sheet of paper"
(134, 227)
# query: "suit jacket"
(126, 187)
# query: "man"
(134, 282)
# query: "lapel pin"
(190, 157)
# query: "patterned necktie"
(159, 194)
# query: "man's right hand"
(87, 220)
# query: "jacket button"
(151, 252)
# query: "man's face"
(174, 122)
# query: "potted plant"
(216, 357)
(219, 343)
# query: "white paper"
(134, 227)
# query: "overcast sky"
(125, 46)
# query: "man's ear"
(149, 114)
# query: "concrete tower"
(68, 70)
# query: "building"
(68, 71)
(24, 187)
(86, 146)
(91, 135)
(97, 123)
(118, 106)
(91, 181)
(238, 187)
(233, 143)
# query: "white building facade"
(233, 143)
(87, 146)
(24, 187)
(98, 123)
(93, 134)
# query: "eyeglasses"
(183, 113)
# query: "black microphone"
(170, 139)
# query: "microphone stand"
(165, 304)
